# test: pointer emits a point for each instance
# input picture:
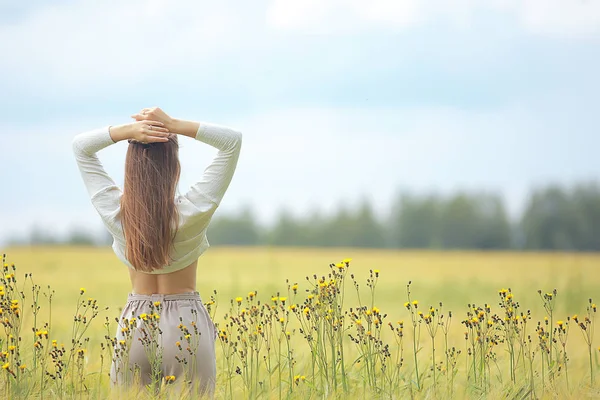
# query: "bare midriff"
(181, 281)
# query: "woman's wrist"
(120, 132)
(182, 127)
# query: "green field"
(454, 278)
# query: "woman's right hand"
(154, 114)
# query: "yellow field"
(454, 278)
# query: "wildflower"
(282, 320)
(122, 342)
(574, 317)
(594, 307)
(340, 266)
(22, 367)
(288, 334)
(347, 260)
(157, 304)
(282, 299)
(407, 305)
(415, 303)
(12, 348)
(292, 307)
(376, 310)
(560, 323)
(6, 366)
(170, 378)
(295, 287)
(306, 310)
(376, 273)
(509, 296)
(251, 294)
(238, 300)
(81, 291)
(144, 316)
(358, 322)
(274, 299)
(187, 336)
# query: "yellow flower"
(157, 304)
(170, 378)
(292, 307)
(376, 310)
(22, 367)
(144, 316)
(347, 260)
(407, 304)
(376, 271)
(559, 323)
(340, 266)
(187, 336)
(178, 344)
(306, 310)
(11, 348)
(509, 296)
(574, 317)
(415, 303)
(81, 290)
(282, 299)
(295, 287)
(6, 366)
(238, 300)
(358, 322)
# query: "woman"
(159, 235)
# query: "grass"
(312, 330)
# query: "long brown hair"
(148, 213)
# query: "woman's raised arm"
(217, 176)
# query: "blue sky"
(336, 99)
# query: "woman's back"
(194, 209)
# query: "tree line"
(554, 218)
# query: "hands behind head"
(152, 125)
(154, 114)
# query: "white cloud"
(546, 17)
(107, 41)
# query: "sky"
(338, 100)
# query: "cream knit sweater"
(196, 207)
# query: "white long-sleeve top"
(196, 207)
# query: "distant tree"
(416, 222)
(556, 219)
(80, 237)
(235, 230)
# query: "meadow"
(322, 323)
